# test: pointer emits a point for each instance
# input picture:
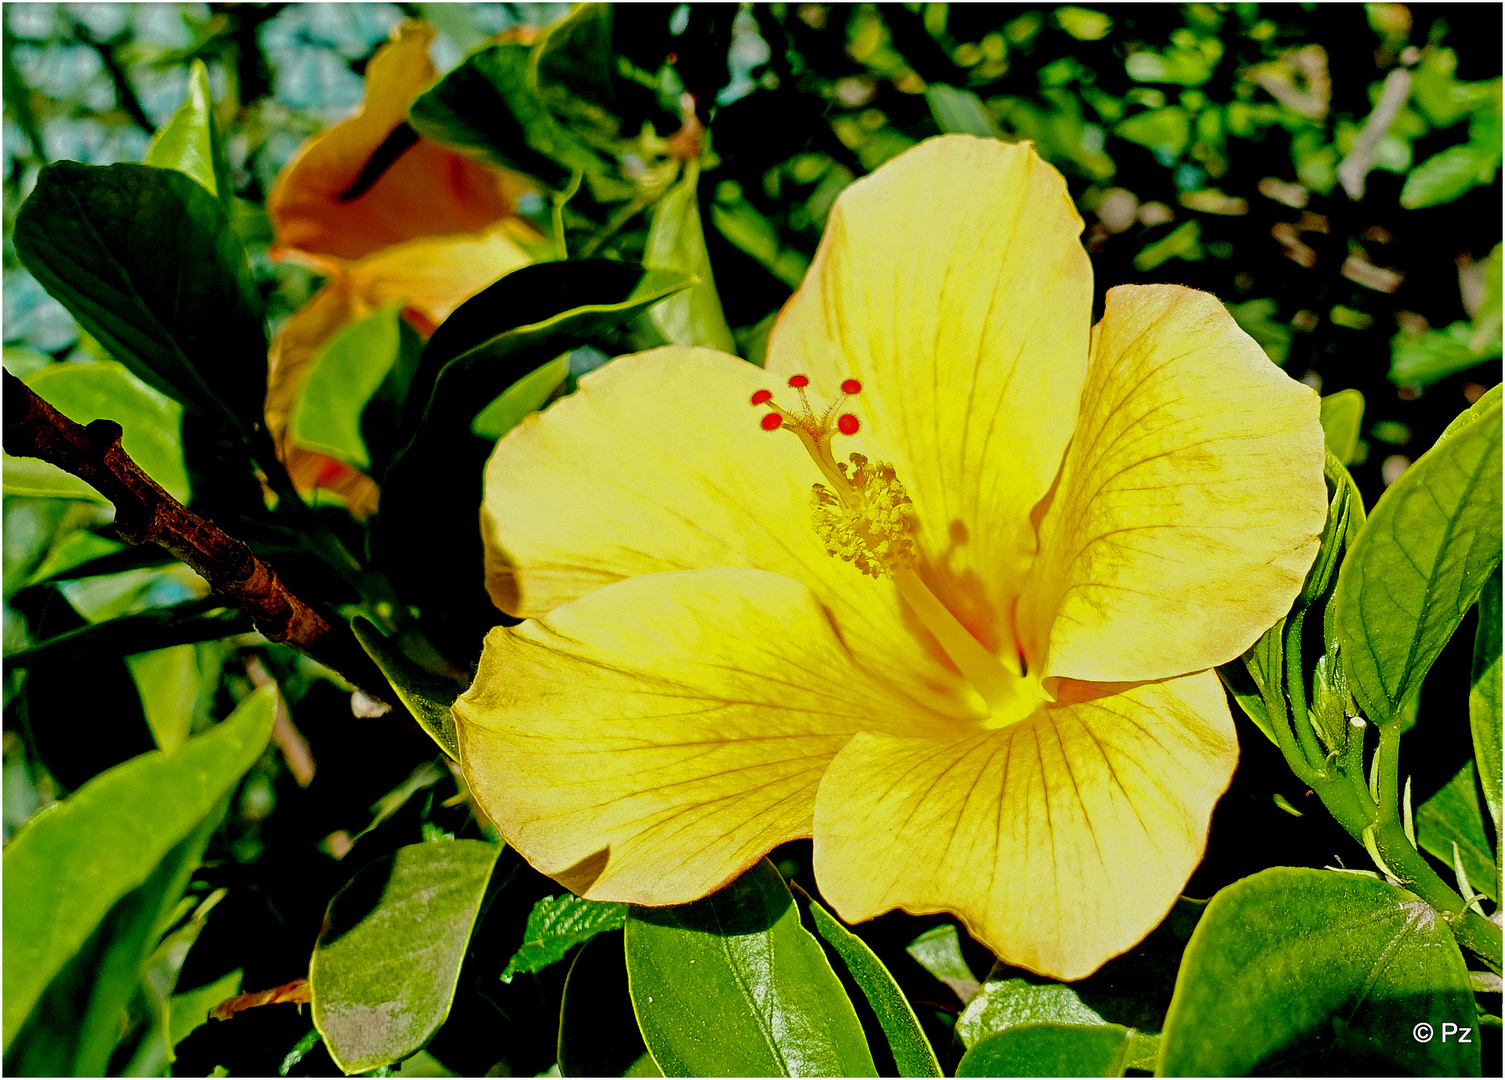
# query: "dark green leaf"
(384, 969)
(556, 925)
(745, 226)
(146, 261)
(1342, 419)
(1304, 971)
(1448, 174)
(1484, 697)
(733, 985)
(598, 1034)
(1420, 561)
(529, 394)
(960, 111)
(913, 1055)
(66, 870)
(1452, 816)
(76, 549)
(1051, 1049)
(939, 951)
(423, 693)
(345, 374)
(1257, 319)
(489, 104)
(189, 1010)
(676, 242)
(156, 628)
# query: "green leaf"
(1083, 23)
(1342, 419)
(68, 868)
(1257, 319)
(76, 549)
(190, 1010)
(913, 1055)
(744, 225)
(1186, 66)
(1051, 1049)
(168, 682)
(345, 374)
(556, 925)
(146, 261)
(385, 967)
(155, 628)
(189, 142)
(676, 242)
(1452, 816)
(1484, 698)
(733, 985)
(1449, 173)
(1304, 971)
(1166, 130)
(490, 104)
(423, 693)
(598, 1034)
(1438, 93)
(1420, 561)
(1011, 1002)
(1182, 242)
(960, 111)
(34, 477)
(1424, 358)
(939, 951)
(527, 395)
(150, 422)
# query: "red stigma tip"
(773, 421)
(851, 386)
(761, 396)
(847, 424)
(798, 381)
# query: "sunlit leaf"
(1312, 971)
(1342, 419)
(960, 111)
(385, 967)
(1484, 697)
(168, 680)
(1010, 1002)
(425, 694)
(189, 141)
(1051, 1049)
(676, 242)
(1452, 816)
(326, 417)
(733, 985)
(527, 395)
(1449, 173)
(1421, 561)
(556, 925)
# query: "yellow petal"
(651, 741)
(1059, 841)
(951, 284)
(1189, 504)
(429, 190)
(657, 463)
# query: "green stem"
(1296, 688)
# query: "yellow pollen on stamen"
(864, 517)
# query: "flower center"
(864, 518)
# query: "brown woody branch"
(145, 513)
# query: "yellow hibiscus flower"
(430, 231)
(975, 663)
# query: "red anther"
(773, 421)
(761, 396)
(798, 381)
(851, 386)
(847, 424)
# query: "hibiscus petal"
(429, 190)
(1189, 505)
(952, 285)
(1060, 841)
(658, 463)
(651, 741)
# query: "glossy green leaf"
(1484, 697)
(146, 261)
(168, 681)
(67, 869)
(913, 1054)
(1449, 173)
(527, 395)
(1420, 561)
(423, 693)
(1004, 1003)
(1299, 971)
(556, 925)
(188, 141)
(1424, 358)
(960, 111)
(327, 413)
(598, 1034)
(733, 985)
(385, 967)
(1452, 816)
(150, 422)
(939, 951)
(1342, 420)
(1051, 1049)
(676, 242)
(490, 104)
